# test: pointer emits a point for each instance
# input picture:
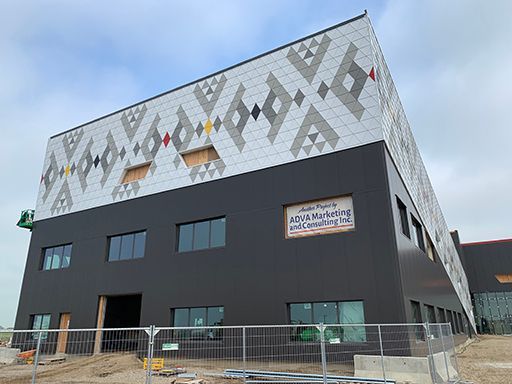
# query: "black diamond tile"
(299, 97)
(217, 123)
(199, 129)
(122, 153)
(322, 90)
(255, 111)
(96, 161)
(61, 171)
(136, 149)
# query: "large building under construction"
(284, 189)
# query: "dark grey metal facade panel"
(421, 279)
(258, 271)
(485, 260)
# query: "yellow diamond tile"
(208, 126)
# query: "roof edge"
(487, 242)
(215, 73)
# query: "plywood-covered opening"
(504, 278)
(200, 156)
(135, 173)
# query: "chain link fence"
(317, 353)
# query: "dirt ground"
(487, 360)
(100, 369)
(127, 369)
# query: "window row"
(191, 236)
(417, 231)
(301, 314)
(436, 315)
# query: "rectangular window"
(440, 315)
(352, 312)
(431, 318)
(461, 325)
(455, 322)
(200, 317)
(56, 257)
(200, 156)
(202, 235)
(404, 222)
(41, 322)
(417, 318)
(135, 173)
(418, 234)
(343, 312)
(126, 247)
(449, 319)
(431, 314)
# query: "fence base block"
(402, 368)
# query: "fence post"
(244, 352)
(430, 353)
(444, 352)
(149, 365)
(321, 328)
(382, 355)
(36, 360)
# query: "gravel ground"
(488, 360)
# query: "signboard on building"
(317, 217)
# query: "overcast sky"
(64, 63)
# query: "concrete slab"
(405, 368)
(8, 355)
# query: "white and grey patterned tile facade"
(404, 151)
(306, 99)
(326, 93)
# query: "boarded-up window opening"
(135, 173)
(504, 279)
(431, 252)
(200, 156)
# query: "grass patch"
(5, 337)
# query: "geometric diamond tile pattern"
(402, 147)
(258, 114)
(327, 92)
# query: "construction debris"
(303, 377)
(188, 381)
(53, 360)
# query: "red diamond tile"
(372, 74)
(167, 138)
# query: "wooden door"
(63, 335)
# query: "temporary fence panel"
(362, 353)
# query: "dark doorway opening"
(121, 312)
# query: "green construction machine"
(26, 219)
